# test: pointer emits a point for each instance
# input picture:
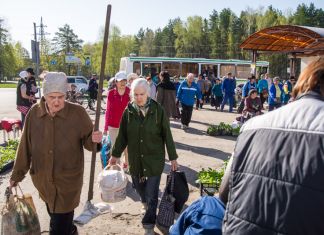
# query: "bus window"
(243, 71)
(137, 68)
(189, 68)
(227, 68)
(172, 68)
(209, 69)
(149, 69)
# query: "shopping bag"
(105, 151)
(19, 215)
(165, 216)
(180, 190)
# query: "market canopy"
(300, 40)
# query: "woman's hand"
(12, 184)
(96, 136)
(113, 160)
(174, 165)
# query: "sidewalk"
(195, 149)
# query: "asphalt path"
(8, 103)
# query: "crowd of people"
(284, 181)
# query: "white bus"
(146, 66)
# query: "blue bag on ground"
(204, 216)
(105, 150)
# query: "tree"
(21, 57)
(146, 48)
(138, 41)
(168, 38)
(224, 25)
(66, 41)
(215, 40)
(3, 42)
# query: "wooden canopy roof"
(300, 40)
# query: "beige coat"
(51, 148)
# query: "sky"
(86, 18)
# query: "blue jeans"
(149, 193)
(230, 98)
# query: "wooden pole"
(101, 78)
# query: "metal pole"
(37, 61)
(254, 58)
(101, 78)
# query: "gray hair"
(140, 82)
(276, 79)
(132, 76)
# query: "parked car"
(80, 82)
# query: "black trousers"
(61, 223)
(149, 193)
(186, 114)
(23, 117)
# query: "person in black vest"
(26, 91)
(93, 87)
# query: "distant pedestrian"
(26, 90)
(262, 88)
(130, 78)
(166, 95)
(208, 90)
(117, 100)
(228, 89)
(186, 95)
(201, 83)
(152, 87)
(275, 94)
(93, 87)
(217, 93)
(287, 89)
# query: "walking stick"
(90, 211)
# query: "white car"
(80, 82)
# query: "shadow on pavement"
(212, 152)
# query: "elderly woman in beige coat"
(51, 149)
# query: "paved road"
(8, 103)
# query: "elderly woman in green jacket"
(145, 130)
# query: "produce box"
(208, 189)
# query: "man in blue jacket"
(186, 94)
(249, 85)
(228, 89)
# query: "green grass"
(8, 85)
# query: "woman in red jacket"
(117, 100)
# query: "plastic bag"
(112, 184)
(19, 215)
(105, 150)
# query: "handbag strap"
(171, 178)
